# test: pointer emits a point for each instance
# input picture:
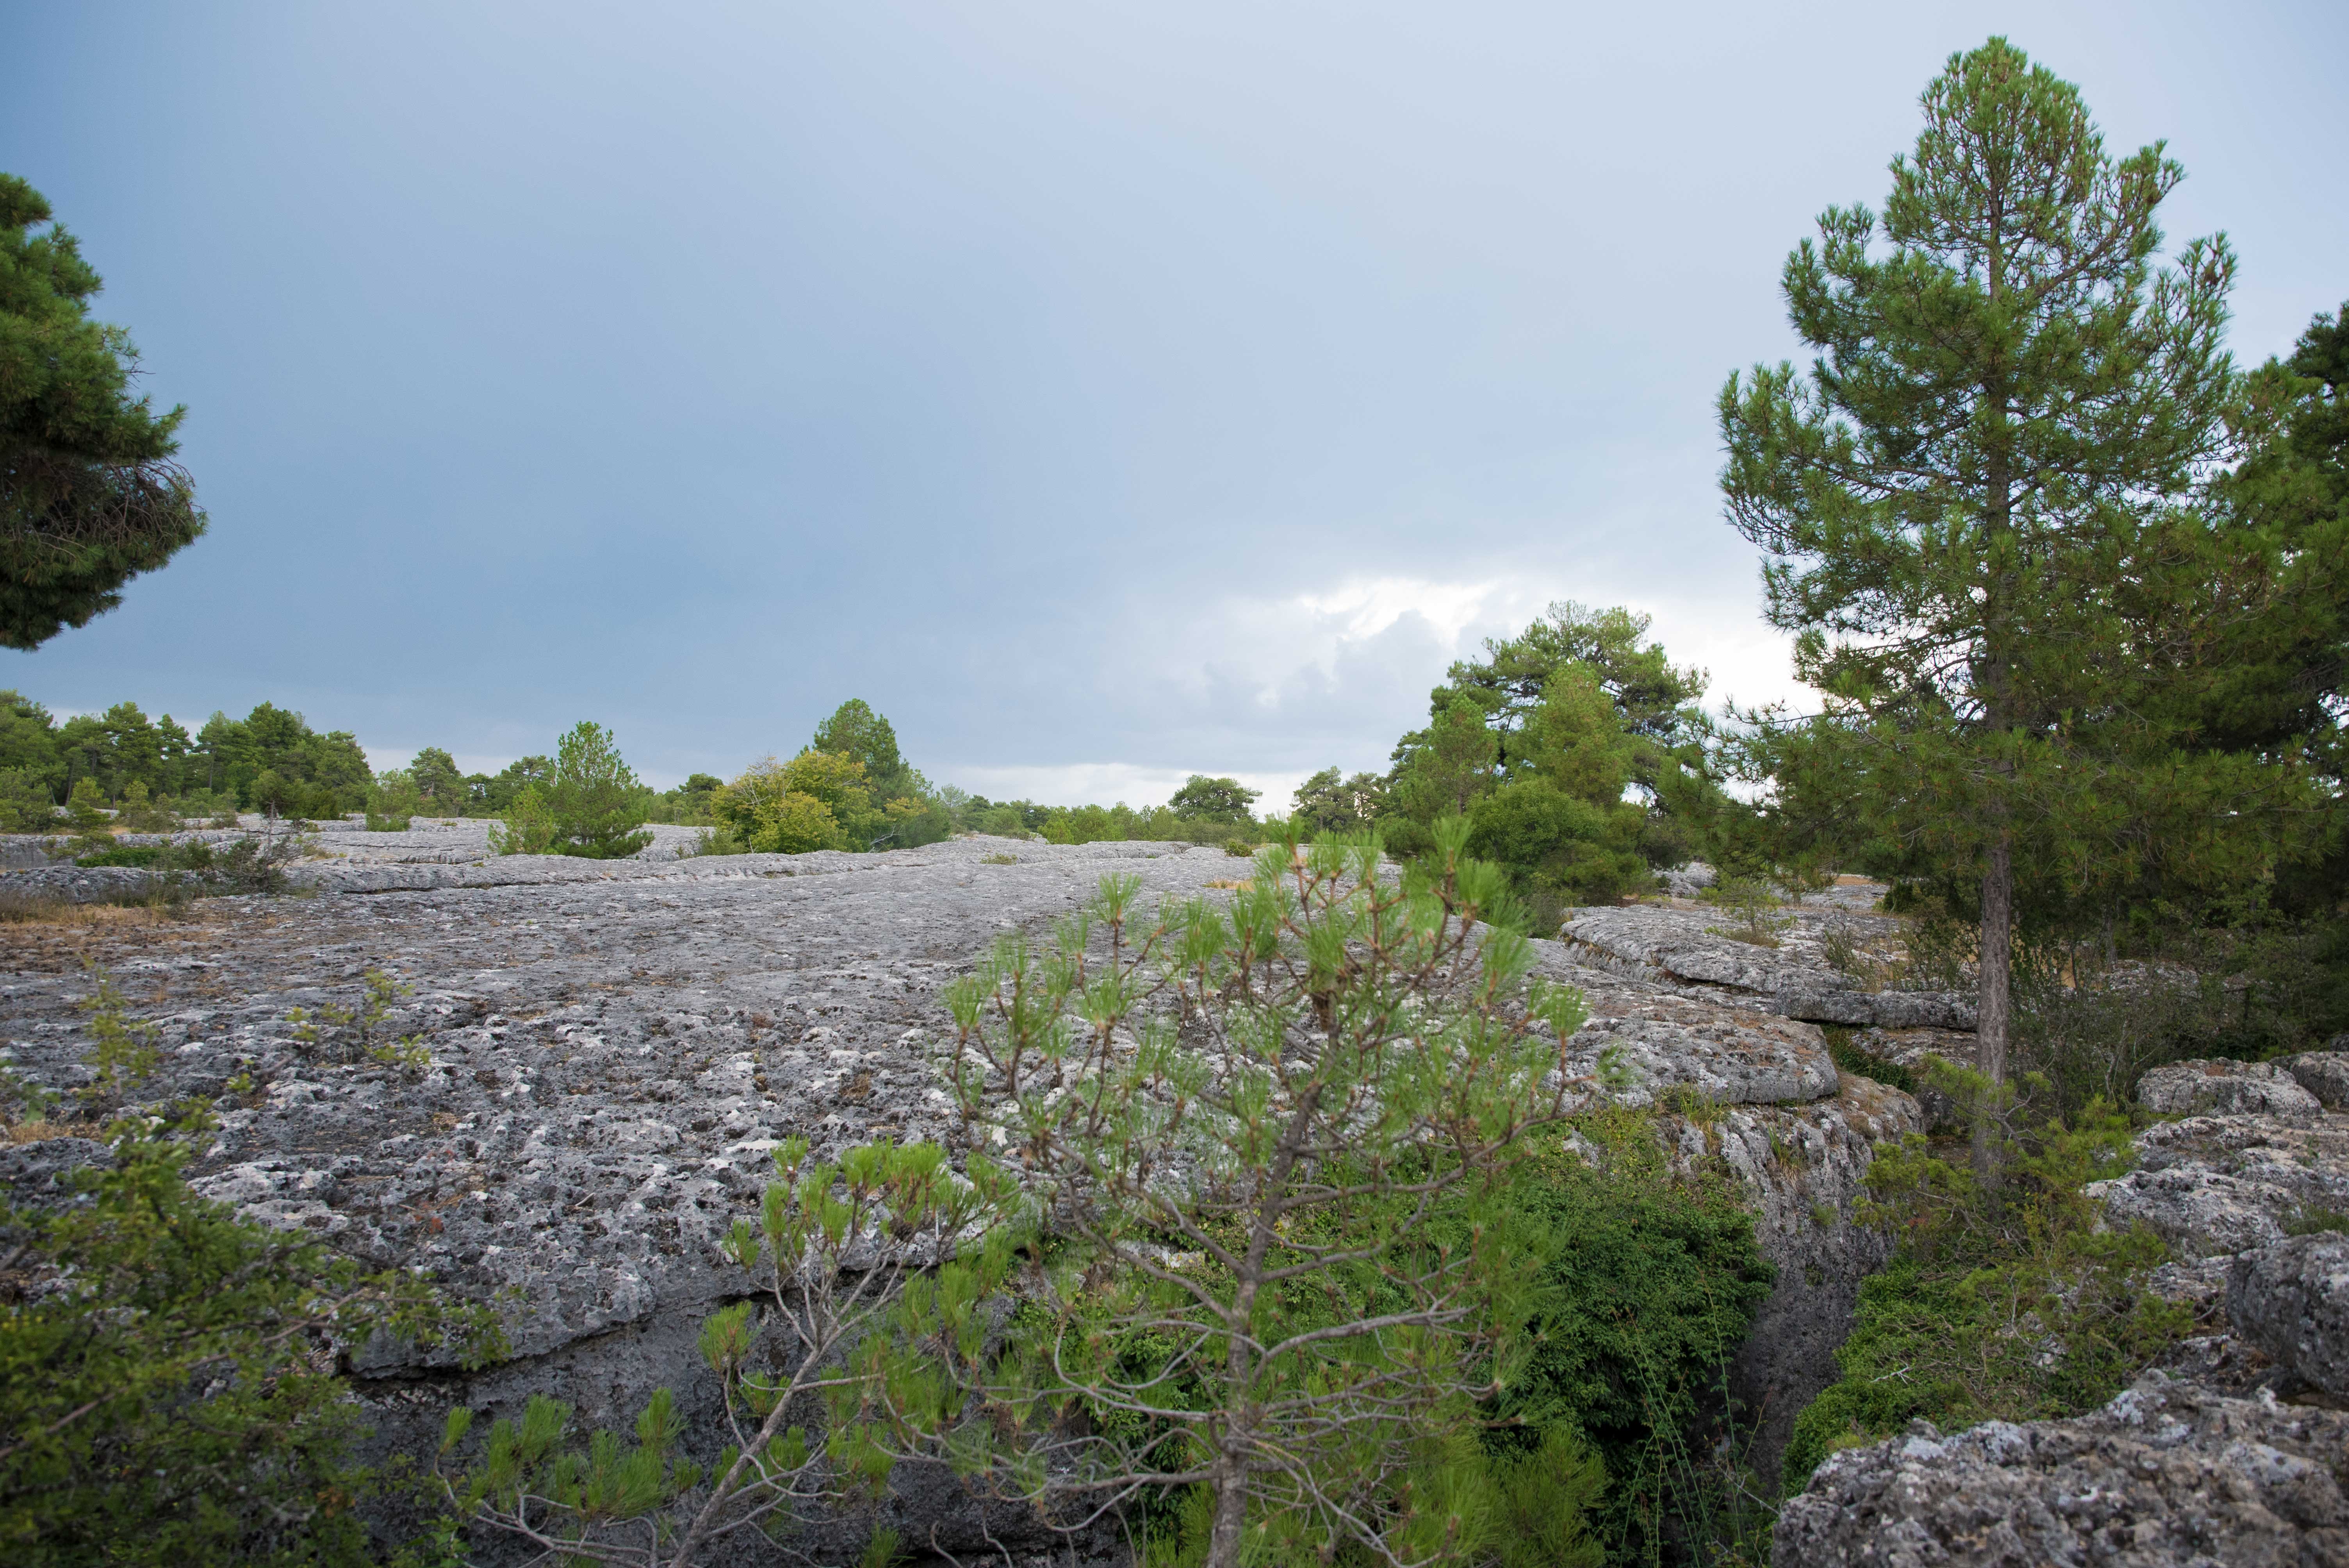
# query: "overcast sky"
(1106, 393)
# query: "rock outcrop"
(1686, 949)
(2166, 1474)
(2237, 1450)
(615, 1046)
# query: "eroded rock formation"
(615, 1047)
(2237, 1450)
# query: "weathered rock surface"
(1804, 1165)
(2236, 1451)
(2292, 1300)
(2217, 1185)
(2219, 1086)
(1681, 947)
(2325, 1074)
(615, 1046)
(2166, 1474)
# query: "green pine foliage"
(1282, 1264)
(590, 805)
(1983, 512)
(1578, 751)
(165, 1374)
(90, 494)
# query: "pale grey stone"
(2325, 1074)
(2167, 1475)
(2221, 1086)
(2290, 1299)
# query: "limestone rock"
(2218, 1085)
(1682, 948)
(615, 1047)
(2213, 1186)
(2325, 1074)
(2165, 1474)
(2292, 1300)
(1804, 1166)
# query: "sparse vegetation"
(2010, 1301)
(800, 1446)
(1755, 909)
(163, 1382)
(340, 1033)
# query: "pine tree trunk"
(1231, 1518)
(1994, 1011)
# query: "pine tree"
(90, 496)
(1974, 505)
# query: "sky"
(1106, 393)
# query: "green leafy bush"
(1650, 1282)
(817, 800)
(2005, 1300)
(165, 1389)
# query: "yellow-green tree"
(817, 800)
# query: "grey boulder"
(2292, 1300)
(2325, 1074)
(2167, 1475)
(2219, 1087)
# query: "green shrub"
(1852, 1060)
(163, 1375)
(25, 804)
(392, 801)
(591, 806)
(139, 812)
(1650, 1284)
(2004, 1301)
(85, 808)
(123, 855)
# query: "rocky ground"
(2237, 1452)
(614, 1046)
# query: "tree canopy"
(90, 494)
(1978, 511)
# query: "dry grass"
(31, 909)
(42, 1131)
(1246, 885)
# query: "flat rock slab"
(1686, 947)
(2167, 1475)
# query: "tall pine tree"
(1978, 512)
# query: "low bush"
(167, 1383)
(2008, 1300)
(165, 1374)
(1650, 1283)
